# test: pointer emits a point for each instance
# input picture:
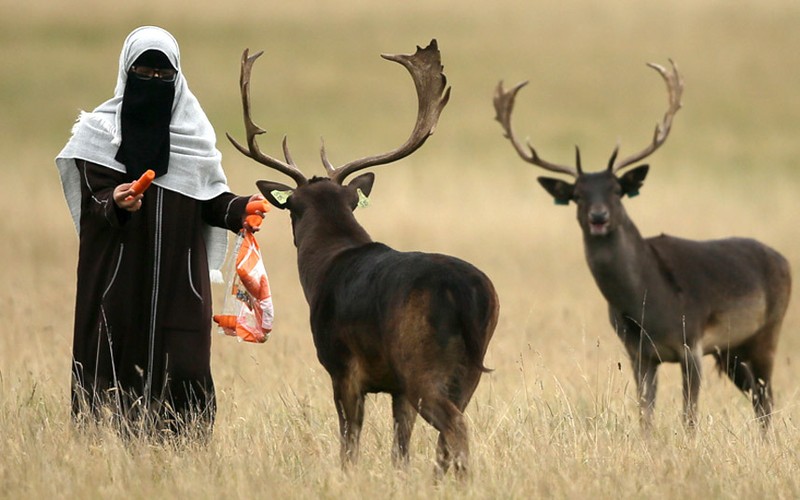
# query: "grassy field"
(557, 417)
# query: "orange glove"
(256, 206)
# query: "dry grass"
(557, 417)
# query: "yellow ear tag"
(281, 196)
(363, 201)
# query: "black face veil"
(146, 114)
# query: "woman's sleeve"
(97, 190)
(226, 211)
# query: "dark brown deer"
(671, 299)
(411, 324)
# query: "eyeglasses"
(148, 73)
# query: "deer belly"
(737, 323)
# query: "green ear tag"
(281, 196)
(363, 201)
(560, 202)
(631, 194)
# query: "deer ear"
(362, 185)
(562, 192)
(363, 182)
(277, 194)
(632, 181)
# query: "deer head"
(598, 195)
(321, 208)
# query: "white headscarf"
(195, 168)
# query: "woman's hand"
(245, 223)
(125, 199)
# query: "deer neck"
(617, 262)
(318, 245)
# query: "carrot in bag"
(247, 308)
(225, 320)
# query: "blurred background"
(730, 167)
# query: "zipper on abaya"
(154, 293)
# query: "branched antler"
(503, 106)
(432, 93)
(675, 89)
(252, 130)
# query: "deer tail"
(478, 311)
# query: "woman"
(142, 336)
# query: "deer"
(411, 324)
(670, 300)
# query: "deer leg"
(453, 444)
(404, 416)
(750, 368)
(463, 387)
(761, 358)
(453, 447)
(762, 401)
(753, 377)
(691, 366)
(755, 381)
(350, 408)
(738, 370)
(443, 457)
(645, 370)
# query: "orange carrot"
(225, 320)
(141, 184)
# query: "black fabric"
(142, 337)
(146, 114)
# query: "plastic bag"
(247, 310)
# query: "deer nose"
(598, 216)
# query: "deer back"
(360, 304)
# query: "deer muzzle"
(598, 221)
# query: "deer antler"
(503, 105)
(426, 69)
(675, 89)
(252, 130)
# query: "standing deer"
(671, 299)
(411, 324)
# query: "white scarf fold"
(195, 168)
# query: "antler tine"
(324, 156)
(613, 158)
(252, 130)
(432, 93)
(675, 91)
(503, 106)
